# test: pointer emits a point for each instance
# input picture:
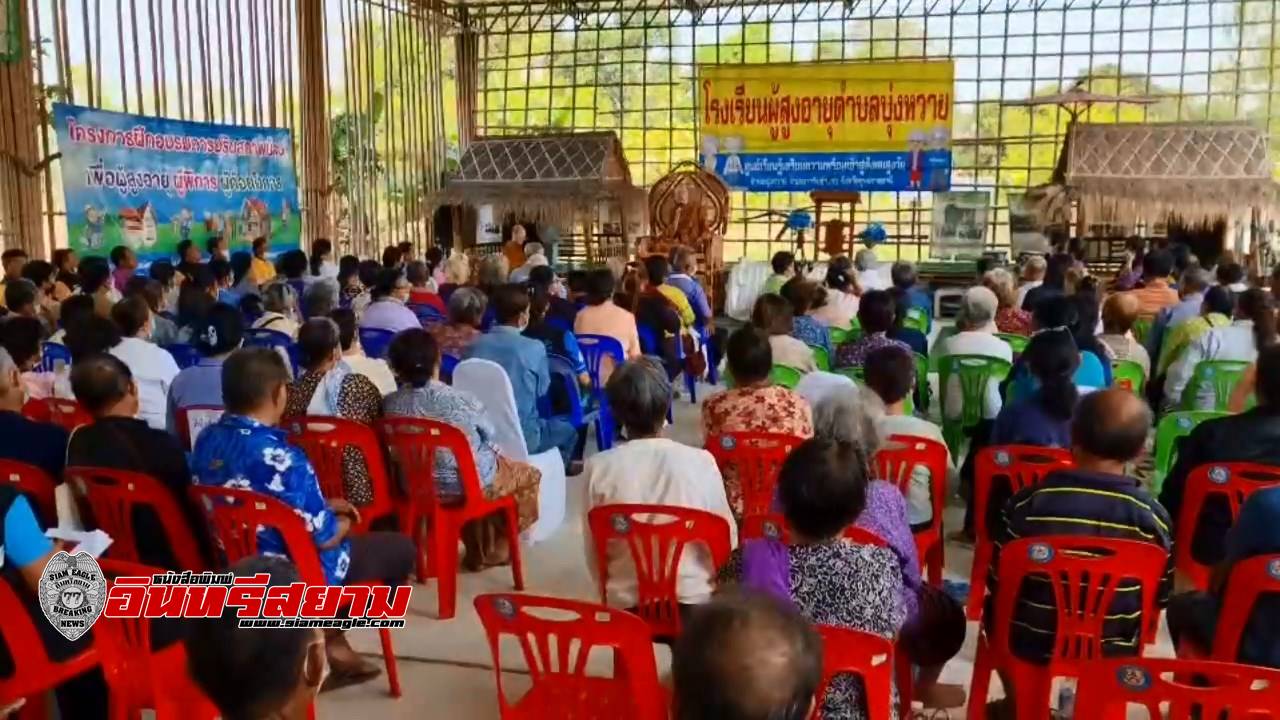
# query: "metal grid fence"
(632, 67)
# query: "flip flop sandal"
(345, 678)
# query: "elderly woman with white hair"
(466, 311)
(935, 623)
(280, 309)
(977, 336)
(457, 271)
(1010, 317)
(652, 469)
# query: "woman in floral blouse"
(466, 311)
(1009, 317)
(328, 386)
(415, 359)
(876, 314)
(804, 296)
(753, 405)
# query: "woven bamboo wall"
(373, 68)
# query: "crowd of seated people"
(517, 315)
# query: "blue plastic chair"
(53, 353)
(594, 350)
(581, 412)
(375, 341)
(261, 337)
(447, 364)
(428, 315)
(184, 354)
(649, 345)
(559, 323)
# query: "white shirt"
(919, 501)
(975, 342)
(872, 279)
(1026, 288)
(655, 471)
(792, 352)
(818, 386)
(839, 311)
(1229, 342)
(153, 370)
(376, 369)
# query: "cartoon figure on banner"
(284, 211)
(916, 143)
(229, 228)
(940, 177)
(139, 226)
(212, 223)
(733, 163)
(182, 221)
(710, 147)
(94, 220)
(256, 218)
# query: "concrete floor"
(446, 668)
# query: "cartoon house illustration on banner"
(255, 218)
(138, 225)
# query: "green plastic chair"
(1128, 375)
(1170, 428)
(820, 357)
(922, 381)
(1141, 329)
(1016, 343)
(974, 372)
(840, 336)
(787, 377)
(855, 328)
(916, 318)
(1220, 375)
(943, 334)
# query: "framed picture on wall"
(959, 224)
(10, 29)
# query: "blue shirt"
(239, 452)
(200, 384)
(525, 362)
(1171, 317)
(918, 298)
(1025, 422)
(24, 542)
(1091, 374)
(811, 332)
(34, 443)
(1257, 532)
(692, 290)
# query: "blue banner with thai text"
(928, 170)
(150, 183)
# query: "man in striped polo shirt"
(1095, 498)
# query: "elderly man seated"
(977, 336)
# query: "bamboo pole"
(19, 179)
(315, 118)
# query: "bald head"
(746, 658)
(1111, 425)
(1119, 313)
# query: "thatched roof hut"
(558, 178)
(1198, 172)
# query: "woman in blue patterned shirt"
(804, 296)
(415, 359)
(246, 450)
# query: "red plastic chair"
(325, 440)
(182, 419)
(894, 464)
(140, 678)
(59, 411)
(413, 444)
(774, 525)
(1222, 691)
(1235, 482)
(236, 517)
(1022, 466)
(656, 546)
(36, 485)
(111, 497)
(557, 637)
(869, 656)
(35, 673)
(1249, 580)
(754, 459)
(1084, 573)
